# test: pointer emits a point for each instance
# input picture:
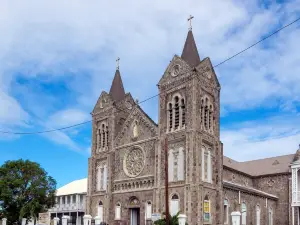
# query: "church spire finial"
(190, 53)
(190, 21)
(117, 90)
(118, 63)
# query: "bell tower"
(108, 115)
(189, 111)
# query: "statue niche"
(135, 131)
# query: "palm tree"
(173, 220)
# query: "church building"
(126, 173)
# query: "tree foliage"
(173, 220)
(25, 190)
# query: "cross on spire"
(118, 63)
(190, 20)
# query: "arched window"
(100, 211)
(270, 216)
(103, 135)
(101, 177)
(148, 210)
(182, 113)
(206, 210)
(118, 211)
(174, 204)
(257, 215)
(226, 212)
(210, 117)
(98, 178)
(202, 113)
(206, 165)
(176, 112)
(244, 213)
(206, 114)
(106, 140)
(176, 164)
(180, 166)
(176, 107)
(170, 110)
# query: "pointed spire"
(117, 89)
(190, 52)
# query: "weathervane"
(118, 63)
(190, 20)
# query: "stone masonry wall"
(236, 177)
(251, 202)
(279, 186)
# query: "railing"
(67, 207)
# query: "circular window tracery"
(134, 162)
(175, 70)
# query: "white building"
(71, 201)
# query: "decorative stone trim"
(134, 161)
(250, 190)
(134, 184)
(137, 143)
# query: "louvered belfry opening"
(103, 134)
(206, 115)
(176, 106)
(183, 112)
(170, 117)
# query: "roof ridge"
(274, 157)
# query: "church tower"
(109, 114)
(189, 111)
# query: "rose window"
(134, 162)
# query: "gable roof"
(75, 187)
(260, 167)
(136, 107)
(117, 90)
(190, 53)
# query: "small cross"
(118, 63)
(190, 20)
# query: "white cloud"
(78, 41)
(61, 138)
(67, 117)
(262, 138)
(11, 113)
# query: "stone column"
(236, 218)
(87, 219)
(4, 220)
(55, 220)
(64, 220)
(182, 219)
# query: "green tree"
(25, 190)
(173, 220)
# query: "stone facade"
(131, 146)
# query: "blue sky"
(57, 56)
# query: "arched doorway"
(100, 211)
(134, 207)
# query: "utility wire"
(224, 61)
(46, 131)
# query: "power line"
(145, 100)
(46, 131)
